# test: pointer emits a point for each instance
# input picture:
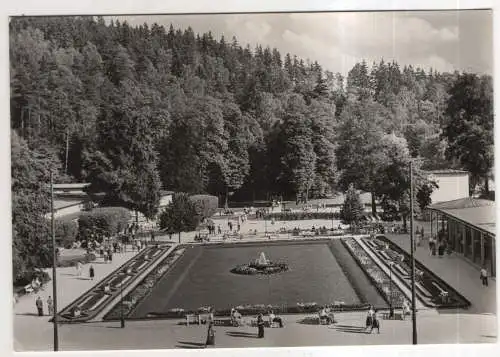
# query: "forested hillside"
(134, 109)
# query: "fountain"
(261, 265)
(262, 261)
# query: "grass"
(202, 277)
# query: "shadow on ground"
(352, 329)
(242, 334)
(190, 345)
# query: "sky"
(444, 40)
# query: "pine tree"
(352, 209)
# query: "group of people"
(326, 316)
(39, 306)
(372, 320)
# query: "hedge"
(65, 232)
(103, 220)
(206, 205)
(70, 262)
(297, 216)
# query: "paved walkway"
(349, 330)
(457, 272)
(69, 287)
(477, 324)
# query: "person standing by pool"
(260, 326)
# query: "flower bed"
(428, 280)
(133, 298)
(87, 302)
(376, 275)
(253, 269)
(297, 216)
(252, 310)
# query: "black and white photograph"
(240, 180)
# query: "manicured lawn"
(202, 277)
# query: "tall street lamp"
(122, 318)
(412, 250)
(391, 308)
(54, 263)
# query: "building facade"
(469, 226)
(452, 185)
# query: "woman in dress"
(369, 317)
(210, 335)
(91, 272)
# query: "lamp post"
(122, 318)
(412, 249)
(54, 262)
(391, 308)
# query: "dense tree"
(469, 125)
(180, 215)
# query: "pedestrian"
(219, 230)
(369, 317)
(484, 276)
(375, 322)
(39, 305)
(210, 335)
(110, 256)
(106, 257)
(260, 325)
(91, 272)
(239, 227)
(50, 305)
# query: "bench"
(395, 316)
(28, 289)
(193, 318)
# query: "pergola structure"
(469, 225)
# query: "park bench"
(28, 289)
(193, 318)
(395, 316)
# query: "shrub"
(28, 277)
(206, 205)
(103, 220)
(297, 216)
(65, 232)
(70, 262)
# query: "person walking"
(39, 305)
(91, 272)
(219, 230)
(260, 325)
(50, 306)
(484, 276)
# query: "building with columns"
(469, 225)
